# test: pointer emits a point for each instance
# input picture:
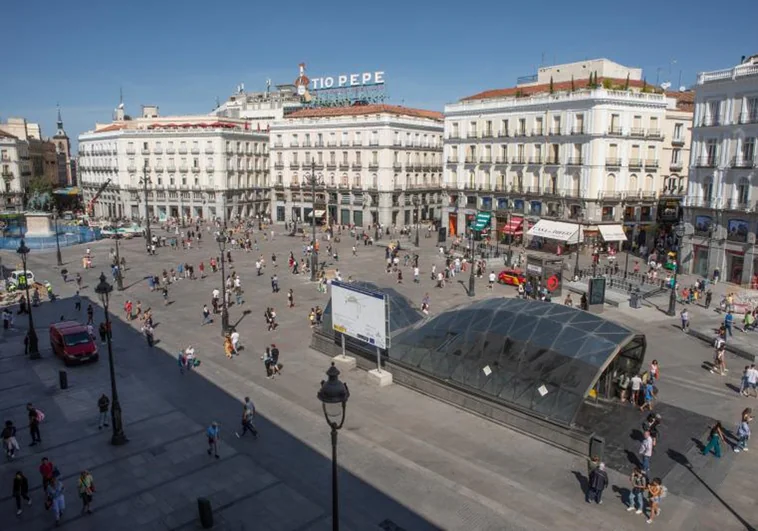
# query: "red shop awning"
(515, 226)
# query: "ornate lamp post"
(679, 233)
(416, 204)
(119, 276)
(103, 289)
(579, 219)
(221, 240)
(312, 180)
(34, 354)
(333, 396)
(144, 181)
(57, 242)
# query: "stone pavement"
(406, 458)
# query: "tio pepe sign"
(348, 80)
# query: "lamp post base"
(34, 355)
(119, 439)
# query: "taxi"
(512, 277)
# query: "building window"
(678, 131)
(748, 149)
(707, 188)
(743, 192)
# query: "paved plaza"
(407, 462)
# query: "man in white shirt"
(752, 381)
(492, 279)
(415, 275)
(235, 340)
(646, 452)
(636, 386)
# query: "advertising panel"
(360, 314)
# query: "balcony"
(577, 131)
(654, 133)
(344, 166)
(676, 165)
(454, 136)
(705, 162)
(331, 165)
(184, 168)
(169, 150)
(209, 150)
(278, 145)
(294, 143)
(131, 168)
(751, 118)
(536, 160)
(503, 134)
(552, 161)
(373, 143)
(130, 151)
(195, 151)
(159, 169)
(608, 217)
(615, 131)
(501, 160)
(519, 160)
(357, 143)
(195, 169)
(396, 166)
(171, 167)
(487, 134)
(357, 166)
(712, 121)
(679, 141)
(145, 151)
(635, 163)
(521, 132)
(182, 150)
(651, 164)
(472, 135)
(485, 160)
(613, 162)
(279, 166)
(210, 169)
(571, 192)
(373, 166)
(538, 132)
(575, 161)
(741, 163)
(555, 132)
(307, 143)
(318, 143)
(453, 160)
(294, 165)
(637, 132)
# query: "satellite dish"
(666, 85)
(682, 88)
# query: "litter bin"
(634, 299)
(206, 513)
(63, 378)
(597, 446)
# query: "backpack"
(40, 415)
(664, 491)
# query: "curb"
(729, 348)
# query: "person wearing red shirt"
(46, 470)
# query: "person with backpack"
(10, 444)
(636, 495)
(86, 486)
(598, 481)
(35, 417)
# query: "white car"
(15, 275)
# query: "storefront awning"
(482, 221)
(612, 233)
(72, 190)
(556, 230)
(515, 226)
(319, 213)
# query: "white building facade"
(722, 198)
(15, 170)
(261, 109)
(373, 163)
(569, 150)
(194, 166)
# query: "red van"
(71, 342)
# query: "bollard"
(206, 513)
(63, 378)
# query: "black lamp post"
(103, 289)
(471, 278)
(221, 240)
(57, 242)
(511, 235)
(144, 181)
(333, 396)
(376, 225)
(416, 203)
(312, 180)
(34, 354)
(119, 277)
(626, 262)
(679, 233)
(579, 219)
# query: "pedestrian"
(149, 334)
(77, 302)
(719, 360)
(55, 498)
(213, 433)
(491, 279)
(206, 315)
(103, 331)
(103, 403)
(655, 492)
(752, 381)
(90, 315)
(48, 471)
(35, 417)
(685, 315)
(728, 322)
(715, 438)
(708, 298)
(274, 283)
(646, 452)
(743, 430)
(416, 274)
(20, 490)
(598, 480)
(235, 337)
(655, 373)
(276, 367)
(636, 381)
(10, 444)
(165, 294)
(248, 414)
(636, 500)
(228, 347)
(290, 298)
(649, 396)
(86, 487)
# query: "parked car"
(72, 343)
(13, 278)
(512, 277)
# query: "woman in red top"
(46, 470)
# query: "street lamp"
(679, 233)
(333, 396)
(144, 181)
(221, 240)
(416, 203)
(312, 179)
(579, 219)
(103, 289)
(119, 277)
(471, 279)
(376, 224)
(512, 232)
(57, 242)
(34, 354)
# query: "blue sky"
(182, 55)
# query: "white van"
(16, 275)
